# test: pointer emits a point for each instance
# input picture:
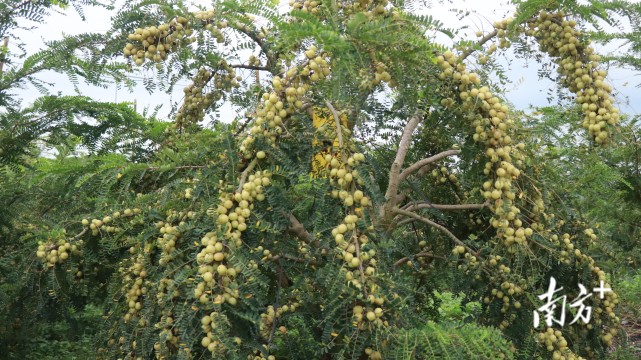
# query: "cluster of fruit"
(215, 273)
(97, 225)
(578, 65)
(371, 8)
(369, 314)
(135, 285)
(443, 175)
(156, 42)
(352, 244)
(206, 88)
(370, 79)
(269, 318)
(310, 6)
(569, 253)
(170, 234)
(493, 128)
(58, 252)
(167, 241)
(208, 22)
(556, 343)
(285, 99)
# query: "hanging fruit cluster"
(352, 244)
(218, 278)
(371, 8)
(199, 95)
(312, 6)
(57, 252)
(156, 42)
(135, 286)
(214, 325)
(97, 225)
(578, 65)
(370, 79)
(208, 22)
(493, 128)
(269, 318)
(171, 234)
(285, 99)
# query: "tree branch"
(429, 205)
(339, 132)
(250, 67)
(297, 229)
(395, 170)
(419, 164)
(481, 42)
(435, 225)
(79, 235)
(243, 176)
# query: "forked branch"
(403, 147)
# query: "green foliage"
(452, 341)
(146, 239)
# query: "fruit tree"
(370, 170)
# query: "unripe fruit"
(371, 316)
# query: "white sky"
(526, 90)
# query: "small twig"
(294, 259)
(419, 164)
(419, 255)
(360, 266)
(243, 176)
(154, 168)
(84, 231)
(481, 42)
(339, 130)
(250, 67)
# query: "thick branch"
(481, 42)
(395, 170)
(429, 205)
(419, 164)
(339, 130)
(297, 229)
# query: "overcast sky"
(527, 88)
